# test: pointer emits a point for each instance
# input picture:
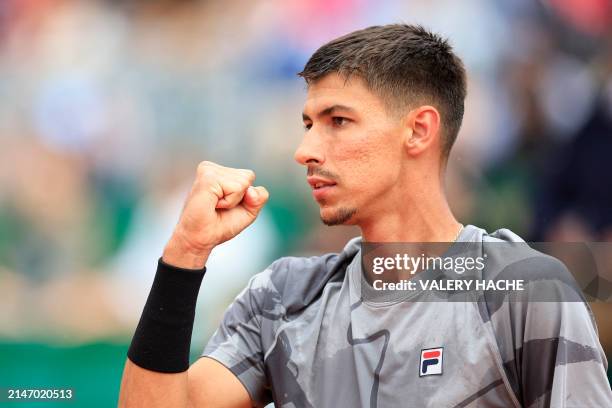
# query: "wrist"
(180, 253)
(162, 338)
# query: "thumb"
(254, 199)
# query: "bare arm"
(221, 204)
(145, 388)
(207, 383)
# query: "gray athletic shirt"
(301, 335)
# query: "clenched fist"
(222, 202)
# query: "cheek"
(370, 162)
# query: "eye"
(307, 126)
(339, 121)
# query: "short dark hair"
(404, 64)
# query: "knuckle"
(244, 183)
(235, 185)
(205, 169)
(250, 174)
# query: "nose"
(310, 151)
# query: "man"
(384, 107)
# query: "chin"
(337, 216)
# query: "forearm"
(145, 388)
(156, 371)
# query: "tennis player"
(383, 108)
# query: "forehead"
(335, 89)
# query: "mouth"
(317, 183)
(320, 187)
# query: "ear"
(422, 126)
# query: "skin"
(388, 177)
(388, 169)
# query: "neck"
(413, 218)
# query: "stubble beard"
(339, 217)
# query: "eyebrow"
(330, 111)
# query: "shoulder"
(508, 259)
(295, 282)
(508, 256)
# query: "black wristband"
(163, 336)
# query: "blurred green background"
(106, 107)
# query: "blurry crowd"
(106, 107)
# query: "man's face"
(352, 149)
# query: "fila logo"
(431, 361)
